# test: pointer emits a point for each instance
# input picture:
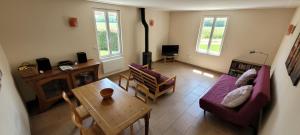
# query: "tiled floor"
(173, 114)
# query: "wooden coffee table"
(115, 114)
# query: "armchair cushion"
(137, 66)
(152, 73)
(166, 86)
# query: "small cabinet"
(49, 89)
(84, 76)
(238, 67)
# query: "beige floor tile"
(173, 114)
(183, 123)
(173, 131)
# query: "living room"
(261, 33)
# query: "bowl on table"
(106, 93)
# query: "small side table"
(169, 58)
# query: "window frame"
(211, 34)
(120, 41)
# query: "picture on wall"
(293, 62)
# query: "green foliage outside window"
(101, 37)
(218, 33)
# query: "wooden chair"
(93, 130)
(139, 88)
(79, 113)
(143, 89)
(127, 82)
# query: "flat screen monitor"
(170, 50)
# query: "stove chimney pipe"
(147, 55)
(144, 22)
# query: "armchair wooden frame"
(127, 78)
(148, 80)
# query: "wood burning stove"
(147, 55)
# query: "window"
(211, 35)
(108, 33)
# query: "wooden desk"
(115, 114)
(49, 85)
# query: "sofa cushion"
(237, 97)
(260, 95)
(211, 101)
(246, 77)
(246, 113)
(224, 85)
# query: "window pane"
(205, 34)
(217, 37)
(101, 33)
(114, 32)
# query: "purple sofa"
(245, 114)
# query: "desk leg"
(147, 117)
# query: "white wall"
(13, 116)
(158, 34)
(259, 29)
(282, 118)
(31, 29)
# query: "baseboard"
(124, 70)
(113, 73)
(158, 60)
(200, 67)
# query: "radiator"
(113, 65)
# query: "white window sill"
(206, 53)
(109, 58)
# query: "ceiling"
(204, 4)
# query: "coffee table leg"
(147, 116)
